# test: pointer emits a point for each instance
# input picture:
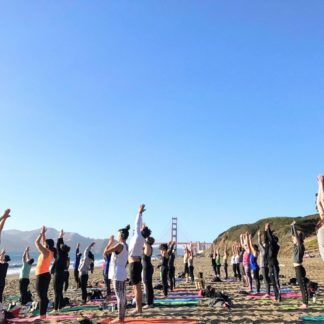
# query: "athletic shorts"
(135, 272)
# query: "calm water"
(16, 259)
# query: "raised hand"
(61, 233)
(92, 244)
(78, 246)
(43, 230)
(141, 208)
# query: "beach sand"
(244, 310)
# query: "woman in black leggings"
(171, 253)
(4, 259)
(43, 277)
(148, 271)
(58, 269)
(164, 268)
(298, 255)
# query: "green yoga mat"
(295, 307)
(312, 318)
(73, 309)
(178, 303)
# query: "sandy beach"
(244, 310)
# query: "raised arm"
(25, 256)
(60, 242)
(320, 196)
(112, 247)
(3, 219)
(86, 251)
(249, 239)
(294, 231)
(77, 250)
(139, 219)
(41, 237)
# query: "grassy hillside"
(281, 227)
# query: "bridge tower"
(174, 231)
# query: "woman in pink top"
(246, 260)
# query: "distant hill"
(16, 241)
(281, 227)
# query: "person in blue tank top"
(254, 262)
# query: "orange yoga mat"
(152, 320)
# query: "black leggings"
(266, 278)
(191, 273)
(256, 277)
(218, 266)
(274, 277)
(23, 288)
(84, 282)
(172, 277)
(76, 277)
(107, 284)
(214, 266)
(238, 271)
(301, 275)
(147, 279)
(2, 286)
(42, 284)
(225, 270)
(58, 283)
(66, 280)
(165, 271)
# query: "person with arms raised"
(24, 277)
(271, 242)
(43, 277)
(4, 259)
(78, 256)
(58, 269)
(135, 252)
(298, 256)
(117, 269)
(84, 267)
(320, 208)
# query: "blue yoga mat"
(312, 318)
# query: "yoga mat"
(312, 318)
(153, 321)
(180, 297)
(48, 318)
(177, 303)
(73, 309)
(283, 295)
(282, 290)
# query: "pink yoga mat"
(48, 318)
(283, 295)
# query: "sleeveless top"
(254, 262)
(246, 258)
(118, 262)
(44, 263)
(147, 264)
(165, 262)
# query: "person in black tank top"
(148, 271)
(171, 253)
(164, 267)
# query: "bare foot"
(303, 306)
(117, 320)
(135, 312)
(147, 306)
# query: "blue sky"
(210, 111)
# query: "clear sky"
(211, 111)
